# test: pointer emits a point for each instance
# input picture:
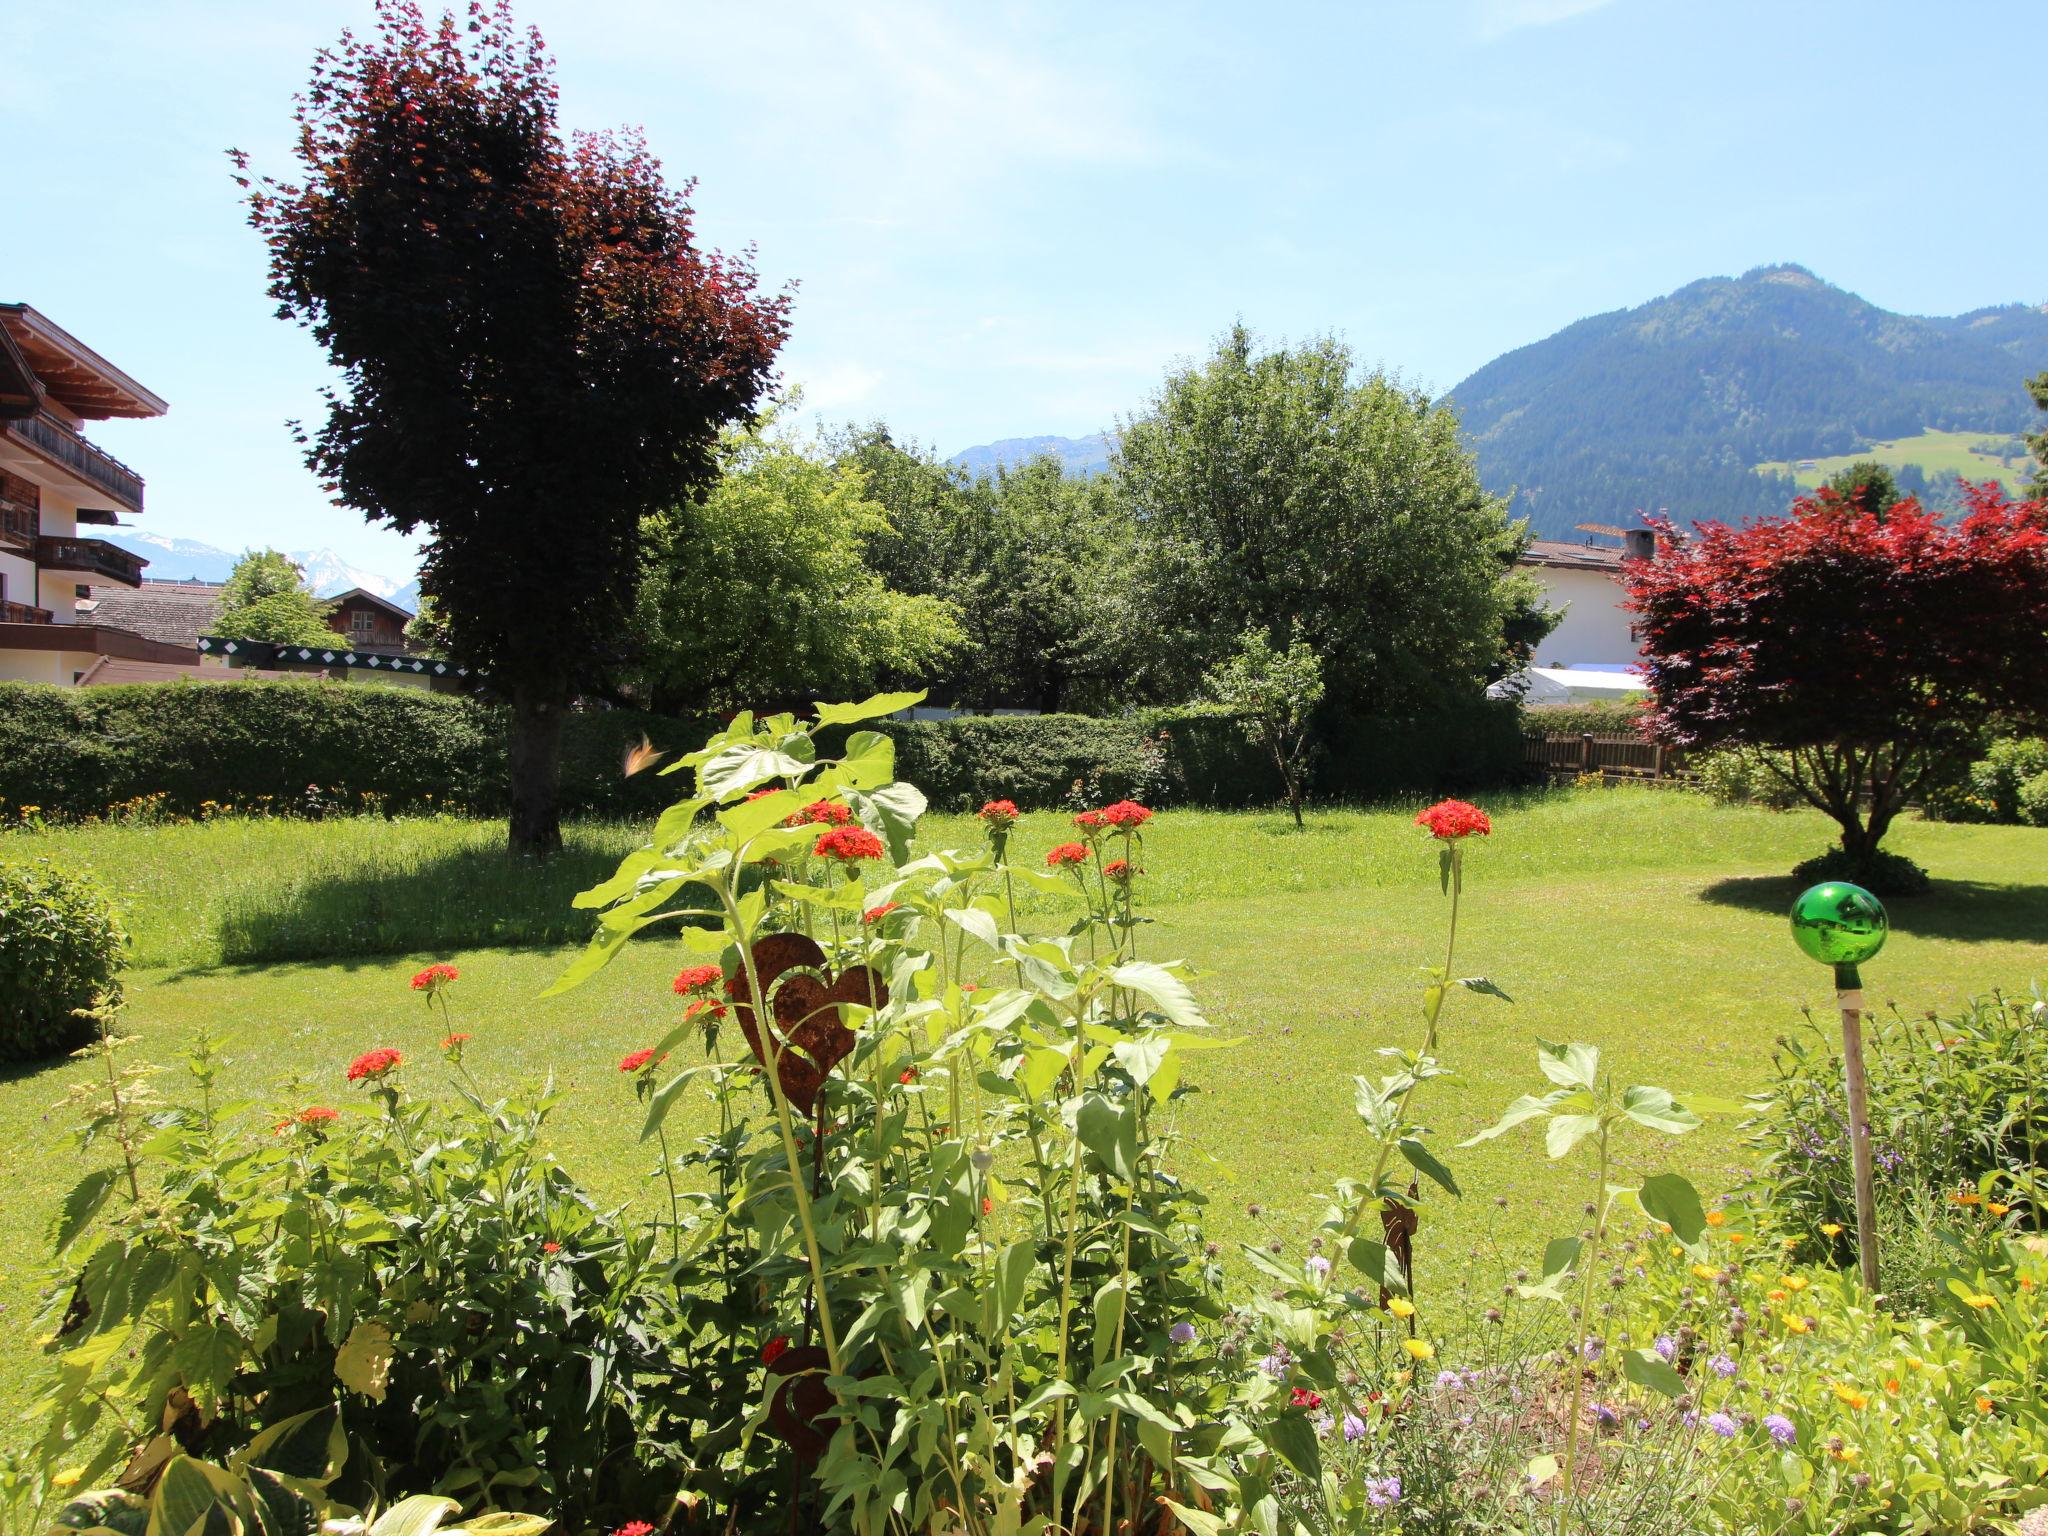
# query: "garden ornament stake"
(1843, 925)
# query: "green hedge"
(1609, 719)
(78, 752)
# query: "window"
(361, 625)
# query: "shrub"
(1880, 870)
(1740, 777)
(61, 950)
(1608, 718)
(2033, 800)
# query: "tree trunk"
(534, 756)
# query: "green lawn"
(1647, 921)
(1938, 453)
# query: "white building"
(53, 483)
(1584, 582)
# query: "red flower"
(1091, 820)
(876, 914)
(1066, 853)
(968, 986)
(772, 1350)
(1301, 1397)
(704, 1005)
(987, 1205)
(762, 794)
(434, 978)
(550, 1247)
(698, 978)
(1119, 870)
(634, 1528)
(1125, 815)
(639, 1059)
(373, 1064)
(1449, 820)
(907, 1075)
(999, 814)
(849, 845)
(454, 1042)
(820, 813)
(317, 1114)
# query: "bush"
(1740, 777)
(1888, 874)
(1598, 719)
(1993, 787)
(61, 949)
(2033, 800)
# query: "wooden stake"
(1849, 998)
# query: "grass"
(1937, 453)
(1650, 922)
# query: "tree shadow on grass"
(1969, 911)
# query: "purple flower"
(1666, 1347)
(1722, 1425)
(1354, 1427)
(1382, 1491)
(1781, 1428)
(1317, 1266)
(1593, 1348)
(1278, 1363)
(1721, 1365)
(1182, 1333)
(1321, 1422)
(1603, 1415)
(1448, 1381)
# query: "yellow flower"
(1797, 1324)
(1980, 1301)
(1844, 1452)
(1419, 1349)
(1967, 1199)
(70, 1477)
(1706, 1272)
(1716, 1218)
(1996, 1207)
(1738, 1237)
(1794, 1282)
(1984, 1405)
(1791, 1243)
(1831, 1229)
(1848, 1394)
(1677, 1252)
(1401, 1307)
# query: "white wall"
(1595, 630)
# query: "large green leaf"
(891, 811)
(80, 1206)
(743, 766)
(1646, 1368)
(1293, 1438)
(1168, 993)
(1425, 1161)
(1566, 1131)
(1110, 1131)
(1575, 1066)
(188, 1492)
(1373, 1259)
(1671, 1199)
(1656, 1109)
(1527, 1107)
(420, 1515)
(874, 707)
(1109, 1311)
(977, 922)
(309, 1447)
(869, 761)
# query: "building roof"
(1580, 557)
(171, 612)
(72, 373)
(366, 596)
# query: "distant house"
(1583, 581)
(53, 484)
(369, 647)
(367, 621)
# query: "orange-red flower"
(551, 1246)
(639, 1059)
(772, 1350)
(1000, 815)
(373, 1064)
(907, 1075)
(454, 1042)
(1066, 853)
(1119, 870)
(434, 978)
(876, 914)
(849, 845)
(705, 1006)
(697, 978)
(1091, 821)
(1450, 820)
(824, 813)
(634, 1528)
(317, 1114)
(1125, 815)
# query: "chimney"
(1639, 544)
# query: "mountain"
(1673, 404)
(175, 559)
(1077, 455)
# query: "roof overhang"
(72, 373)
(92, 639)
(365, 595)
(21, 392)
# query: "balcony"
(18, 528)
(47, 437)
(89, 557)
(21, 613)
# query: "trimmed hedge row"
(1608, 719)
(78, 752)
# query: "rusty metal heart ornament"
(804, 1012)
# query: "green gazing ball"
(1838, 923)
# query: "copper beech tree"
(1864, 648)
(533, 350)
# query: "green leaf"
(869, 762)
(1655, 1108)
(1575, 1066)
(1199, 1521)
(188, 1493)
(1646, 1368)
(1443, 867)
(1293, 1438)
(741, 767)
(1142, 1058)
(1110, 1131)
(307, 1447)
(1424, 1161)
(420, 1515)
(1377, 1263)
(1013, 1274)
(874, 707)
(1482, 985)
(1671, 1199)
(977, 922)
(750, 817)
(1541, 1469)
(1167, 991)
(891, 811)
(1109, 1311)
(363, 1363)
(1527, 1107)
(1566, 1131)
(80, 1206)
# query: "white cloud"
(1497, 18)
(837, 387)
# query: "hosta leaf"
(363, 1363)
(420, 1515)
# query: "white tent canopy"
(1568, 685)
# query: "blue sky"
(1008, 219)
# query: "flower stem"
(1589, 1259)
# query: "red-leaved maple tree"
(533, 351)
(1866, 649)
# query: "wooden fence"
(1624, 757)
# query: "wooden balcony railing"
(54, 441)
(18, 528)
(21, 613)
(89, 557)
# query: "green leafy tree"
(266, 598)
(1281, 485)
(760, 591)
(425, 632)
(534, 353)
(1867, 485)
(2037, 442)
(1275, 694)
